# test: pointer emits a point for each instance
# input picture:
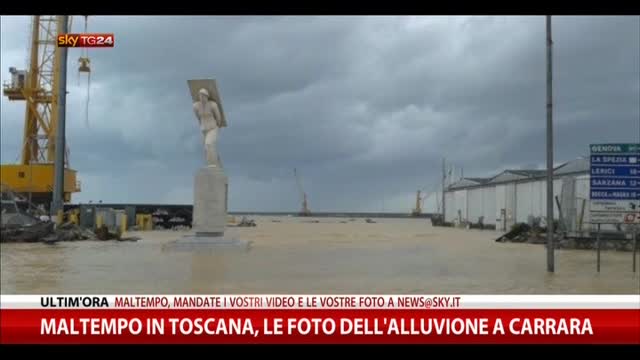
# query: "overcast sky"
(364, 107)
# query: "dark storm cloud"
(252, 58)
(364, 107)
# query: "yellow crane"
(38, 87)
(305, 209)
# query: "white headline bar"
(439, 302)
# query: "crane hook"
(84, 60)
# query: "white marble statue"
(210, 119)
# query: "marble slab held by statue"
(212, 87)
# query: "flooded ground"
(297, 256)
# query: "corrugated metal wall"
(532, 200)
(500, 205)
(539, 197)
(511, 204)
(450, 211)
(557, 189)
(520, 200)
(489, 205)
(524, 204)
(567, 199)
(461, 205)
(481, 202)
(475, 206)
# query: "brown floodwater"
(296, 256)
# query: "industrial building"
(515, 196)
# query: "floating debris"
(181, 228)
(129, 238)
(103, 233)
(246, 223)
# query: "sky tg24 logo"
(86, 40)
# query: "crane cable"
(84, 61)
(88, 98)
(86, 21)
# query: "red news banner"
(327, 319)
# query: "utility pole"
(550, 242)
(444, 178)
(57, 204)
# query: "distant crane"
(305, 209)
(420, 199)
(417, 211)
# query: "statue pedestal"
(210, 202)
(209, 215)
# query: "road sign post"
(635, 248)
(614, 187)
(598, 247)
(550, 229)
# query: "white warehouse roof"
(579, 165)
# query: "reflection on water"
(423, 264)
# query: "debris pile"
(32, 232)
(518, 233)
(29, 229)
(18, 225)
(46, 231)
(536, 233)
(481, 225)
(246, 223)
(438, 220)
(181, 228)
(103, 233)
(69, 232)
(18, 219)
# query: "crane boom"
(41, 94)
(417, 211)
